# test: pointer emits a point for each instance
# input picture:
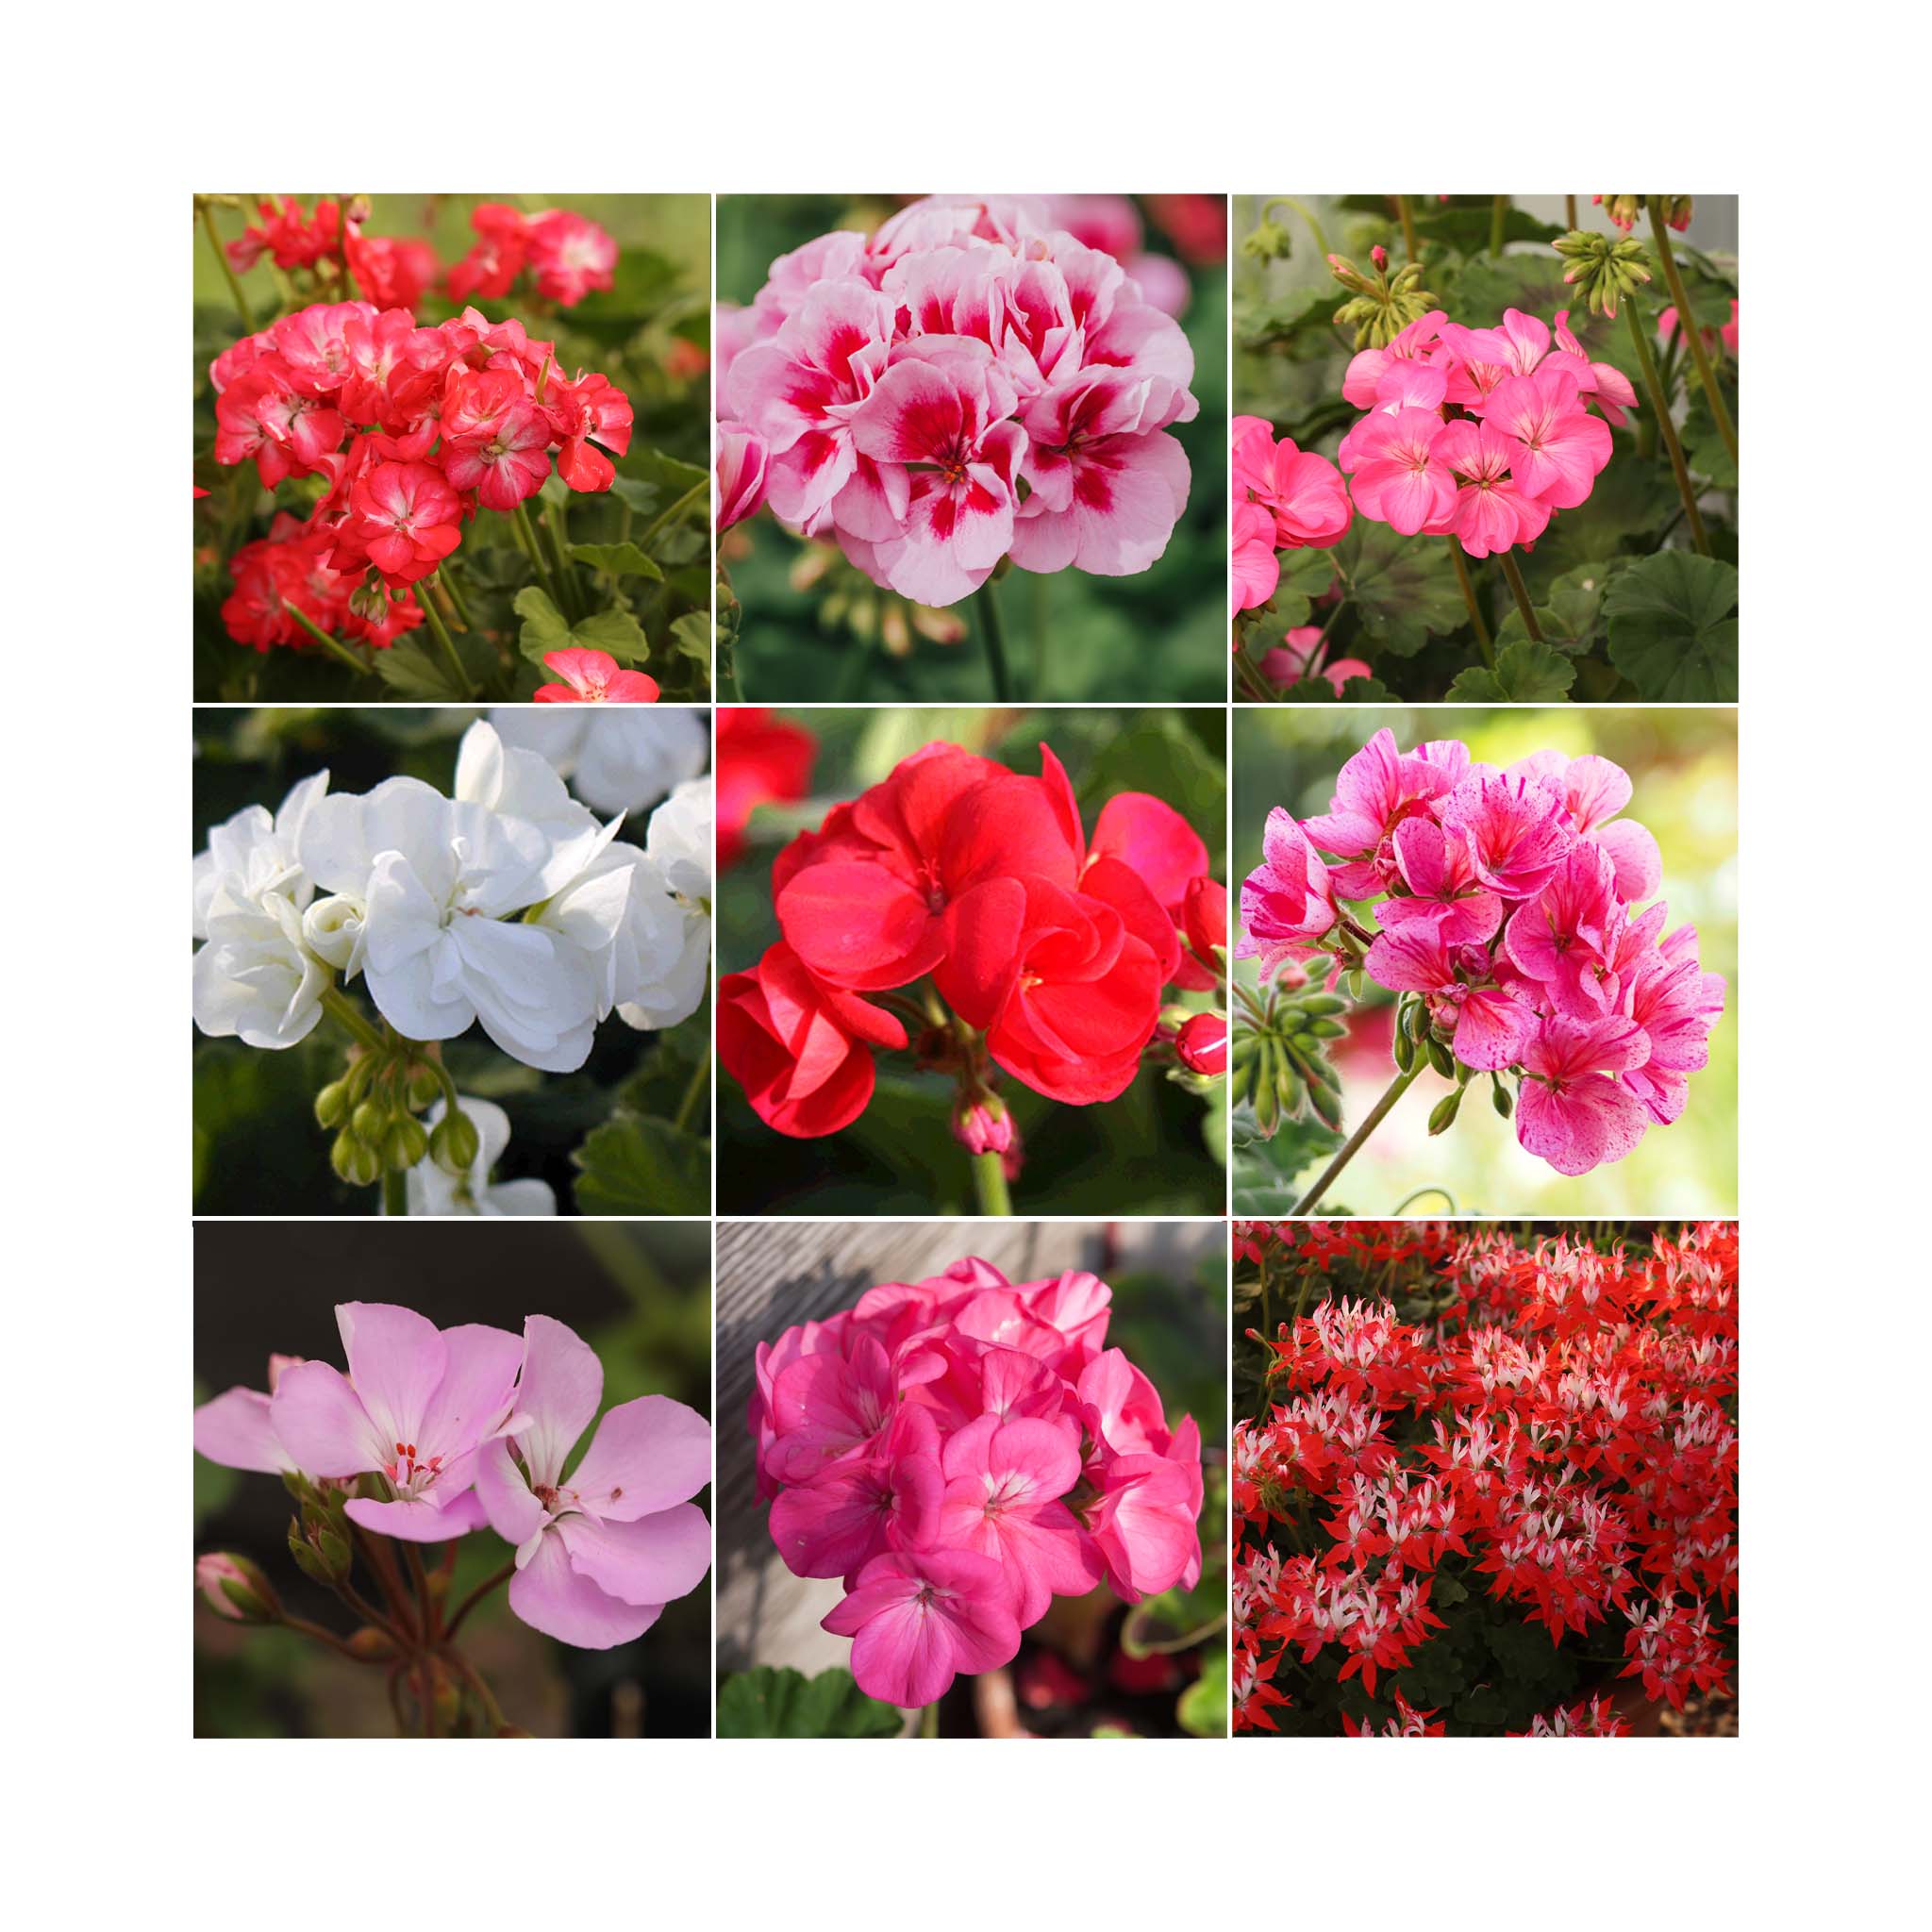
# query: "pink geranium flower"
(1443, 891)
(1375, 791)
(835, 1524)
(407, 516)
(1287, 902)
(1398, 478)
(599, 1553)
(917, 1619)
(496, 440)
(1563, 448)
(1288, 662)
(1490, 1027)
(1492, 511)
(594, 677)
(1514, 828)
(1303, 492)
(415, 1408)
(1256, 564)
(1573, 1110)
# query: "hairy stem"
(1508, 560)
(1408, 221)
(989, 1183)
(215, 241)
(1661, 408)
(1353, 1145)
(1499, 214)
(1687, 325)
(489, 1583)
(1475, 610)
(334, 646)
(671, 515)
(445, 644)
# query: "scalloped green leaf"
(1673, 627)
(642, 1167)
(1527, 672)
(1403, 589)
(618, 559)
(545, 631)
(767, 1703)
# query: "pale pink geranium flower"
(800, 389)
(1004, 1485)
(594, 677)
(1573, 1110)
(237, 1430)
(599, 1553)
(949, 463)
(1287, 901)
(1563, 448)
(417, 1405)
(1108, 483)
(1361, 383)
(919, 1618)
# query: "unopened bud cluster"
(373, 1112)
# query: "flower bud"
(1328, 1105)
(1442, 1117)
(1499, 1096)
(235, 1589)
(372, 1644)
(354, 1160)
(1203, 1043)
(425, 1089)
(1603, 271)
(1379, 255)
(1267, 241)
(1441, 1059)
(983, 1126)
(405, 1144)
(332, 1105)
(369, 1121)
(368, 600)
(454, 1143)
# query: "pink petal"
(647, 1455)
(655, 1560)
(550, 1595)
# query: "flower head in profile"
(603, 1546)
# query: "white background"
(113, 121)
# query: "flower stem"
(458, 603)
(395, 1193)
(1499, 214)
(1507, 558)
(1687, 325)
(476, 1597)
(215, 241)
(341, 1010)
(989, 1183)
(526, 538)
(302, 1628)
(566, 577)
(1475, 610)
(993, 637)
(440, 631)
(1353, 1145)
(1408, 221)
(929, 1721)
(700, 1073)
(1569, 211)
(1256, 688)
(1661, 408)
(671, 515)
(334, 646)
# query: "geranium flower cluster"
(412, 430)
(961, 1451)
(1283, 498)
(1513, 925)
(1050, 952)
(567, 256)
(1482, 433)
(969, 384)
(506, 904)
(1556, 1434)
(435, 1432)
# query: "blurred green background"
(649, 333)
(638, 1294)
(257, 1149)
(1156, 1150)
(1070, 636)
(1683, 764)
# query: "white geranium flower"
(433, 1191)
(680, 838)
(441, 880)
(616, 758)
(678, 849)
(521, 785)
(255, 978)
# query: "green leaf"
(1526, 673)
(1305, 574)
(545, 631)
(414, 668)
(1203, 1707)
(1570, 620)
(1673, 627)
(1404, 588)
(618, 559)
(767, 1703)
(635, 1166)
(1354, 691)
(690, 637)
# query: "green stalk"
(1661, 408)
(993, 637)
(440, 631)
(1499, 214)
(395, 1199)
(527, 537)
(341, 1010)
(458, 603)
(215, 241)
(1475, 610)
(1353, 1145)
(1686, 324)
(1508, 560)
(671, 515)
(334, 646)
(566, 577)
(989, 1183)
(1408, 221)
(1570, 212)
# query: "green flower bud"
(306, 1559)
(405, 1144)
(234, 1588)
(454, 1143)
(332, 1105)
(369, 1121)
(1405, 1050)
(1499, 1096)
(1442, 1117)
(1327, 1106)
(1602, 270)
(1441, 1059)
(1266, 242)
(425, 1088)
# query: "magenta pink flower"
(1676, 1004)
(1289, 662)
(417, 1405)
(1143, 1522)
(1561, 933)
(1004, 1485)
(1492, 511)
(1573, 1110)
(918, 1618)
(1376, 789)
(854, 1511)
(1442, 887)
(1303, 492)
(1287, 902)
(1491, 1026)
(1515, 831)
(599, 1554)
(1603, 382)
